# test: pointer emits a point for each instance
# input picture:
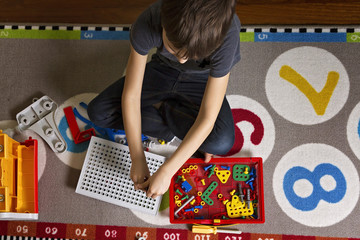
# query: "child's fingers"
(152, 194)
(143, 186)
(139, 181)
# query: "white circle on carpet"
(256, 126)
(74, 155)
(307, 85)
(353, 130)
(316, 185)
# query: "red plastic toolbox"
(223, 191)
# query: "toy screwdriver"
(202, 229)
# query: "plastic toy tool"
(39, 117)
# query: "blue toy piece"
(253, 172)
(207, 167)
(186, 186)
(250, 182)
(225, 167)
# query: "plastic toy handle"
(202, 229)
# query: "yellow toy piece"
(235, 208)
(236, 202)
(162, 142)
(8, 161)
(223, 175)
(18, 190)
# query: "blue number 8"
(310, 203)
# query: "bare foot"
(207, 157)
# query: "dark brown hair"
(196, 27)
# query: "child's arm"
(212, 101)
(131, 97)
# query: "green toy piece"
(241, 172)
(207, 192)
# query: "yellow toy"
(235, 208)
(18, 178)
(223, 175)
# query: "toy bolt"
(186, 197)
(178, 191)
(248, 197)
(241, 194)
(207, 167)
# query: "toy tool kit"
(224, 191)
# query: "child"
(181, 91)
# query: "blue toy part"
(225, 167)
(359, 129)
(310, 203)
(208, 167)
(186, 186)
(250, 182)
(253, 172)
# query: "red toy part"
(216, 213)
(78, 136)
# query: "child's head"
(195, 28)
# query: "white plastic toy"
(105, 176)
(39, 117)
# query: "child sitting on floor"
(181, 91)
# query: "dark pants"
(180, 95)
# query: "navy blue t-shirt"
(146, 33)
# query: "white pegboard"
(105, 175)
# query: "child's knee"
(219, 144)
(224, 144)
(94, 113)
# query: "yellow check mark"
(319, 100)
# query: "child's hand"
(139, 173)
(157, 184)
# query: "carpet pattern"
(295, 97)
